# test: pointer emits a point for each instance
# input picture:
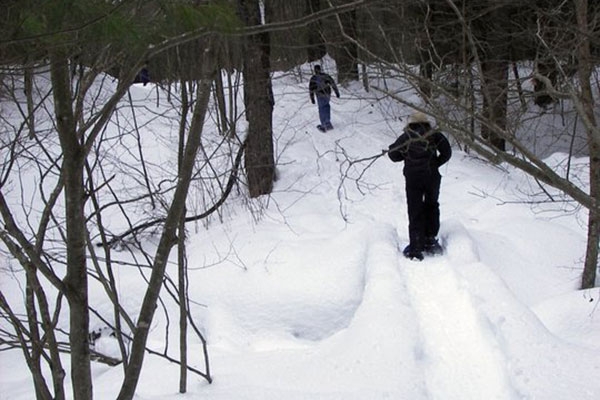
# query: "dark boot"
(432, 246)
(412, 253)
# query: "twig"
(212, 209)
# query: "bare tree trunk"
(181, 258)
(515, 71)
(220, 100)
(183, 311)
(28, 78)
(258, 97)
(426, 72)
(76, 278)
(591, 255)
(495, 90)
(233, 105)
(346, 57)
(541, 91)
(58, 373)
(365, 77)
(41, 391)
(585, 73)
(167, 240)
(494, 59)
(316, 47)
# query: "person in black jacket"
(423, 151)
(320, 85)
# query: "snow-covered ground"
(314, 300)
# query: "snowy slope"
(314, 301)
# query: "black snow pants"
(422, 193)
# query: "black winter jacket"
(321, 85)
(422, 149)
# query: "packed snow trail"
(460, 355)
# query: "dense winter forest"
(132, 133)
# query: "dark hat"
(317, 68)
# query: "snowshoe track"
(460, 355)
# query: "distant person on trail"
(423, 151)
(321, 85)
(143, 76)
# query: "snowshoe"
(412, 254)
(433, 247)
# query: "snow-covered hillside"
(313, 300)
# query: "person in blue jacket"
(320, 85)
(423, 151)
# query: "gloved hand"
(312, 101)
(338, 95)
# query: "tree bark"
(426, 72)
(48, 326)
(28, 80)
(183, 311)
(258, 98)
(495, 91)
(346, 57)
(41, 388)
(220, 100)
(181, 257)
(342, 39)
(585, 71)
(316, 46)
(75, 281)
